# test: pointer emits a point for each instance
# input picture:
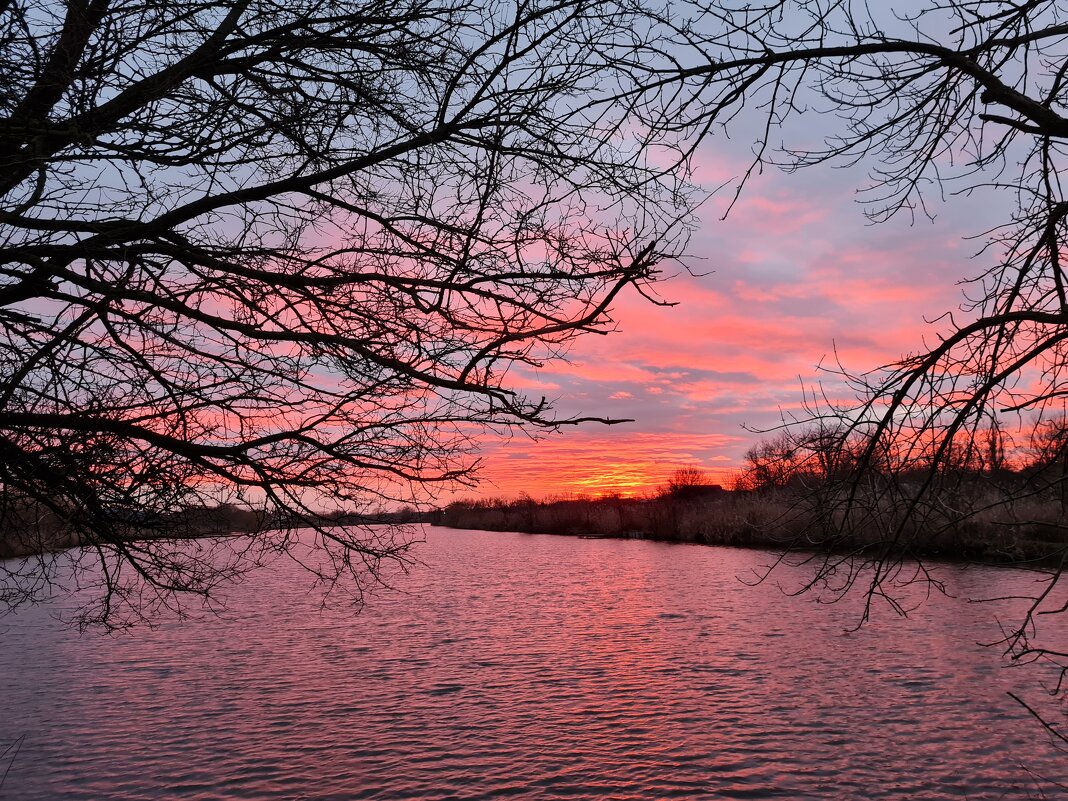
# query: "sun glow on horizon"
(579, 463)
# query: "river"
(528, 666)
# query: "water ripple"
(522, 667)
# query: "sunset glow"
(594, 463)
(793, 279)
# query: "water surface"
(525, 666)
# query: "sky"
(794, 277)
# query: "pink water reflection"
(528, 667)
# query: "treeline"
(981, 494)
(689, 509)
(29, 528)
(1035, 459)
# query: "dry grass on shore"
(999, 532)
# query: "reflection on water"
(530, 667)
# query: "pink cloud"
(792, 277)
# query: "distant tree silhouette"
(770, 464)
(284, 255)
(801, 456)
(685, 479)
(1048, 461)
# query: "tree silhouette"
(685, 479)
(284, 255)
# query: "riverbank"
(1034, 533)
(33, 530)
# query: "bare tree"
(284, 255)
(802, 457)
(1048, 459)
(939, 97)
(771, 464)
(686, 479)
